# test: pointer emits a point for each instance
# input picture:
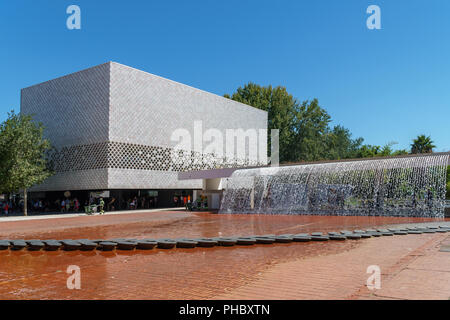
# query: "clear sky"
(384, 85)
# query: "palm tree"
(422, 144)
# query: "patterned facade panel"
(147, 109)
(83, 157)
(120, 155)
(74, 109)
(141, 157)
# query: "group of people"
(8, 207)
(139, 203)
(200, 204)
(39, 205)
(5, 207)
(67, 205)
(181, 201)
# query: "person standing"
(110, 206)
(101, 205)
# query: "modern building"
(114, 130)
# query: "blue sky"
(384, 85)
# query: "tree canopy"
(280, 106)
(305, 132)
(422, 144)
(22, 154)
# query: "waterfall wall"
(409, 186)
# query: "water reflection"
(166, 274)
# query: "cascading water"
(409, 186)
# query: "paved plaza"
(412, 266)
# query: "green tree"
(400, 152)
(368, 151)
(280, 106)
(340, 144)
(305, 134)
(422, 144)
(310, 129)
(387, 150)
(22, 154)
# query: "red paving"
(317, 270)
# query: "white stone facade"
(111, 128)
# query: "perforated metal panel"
(120, 155)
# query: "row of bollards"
(148, 244)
